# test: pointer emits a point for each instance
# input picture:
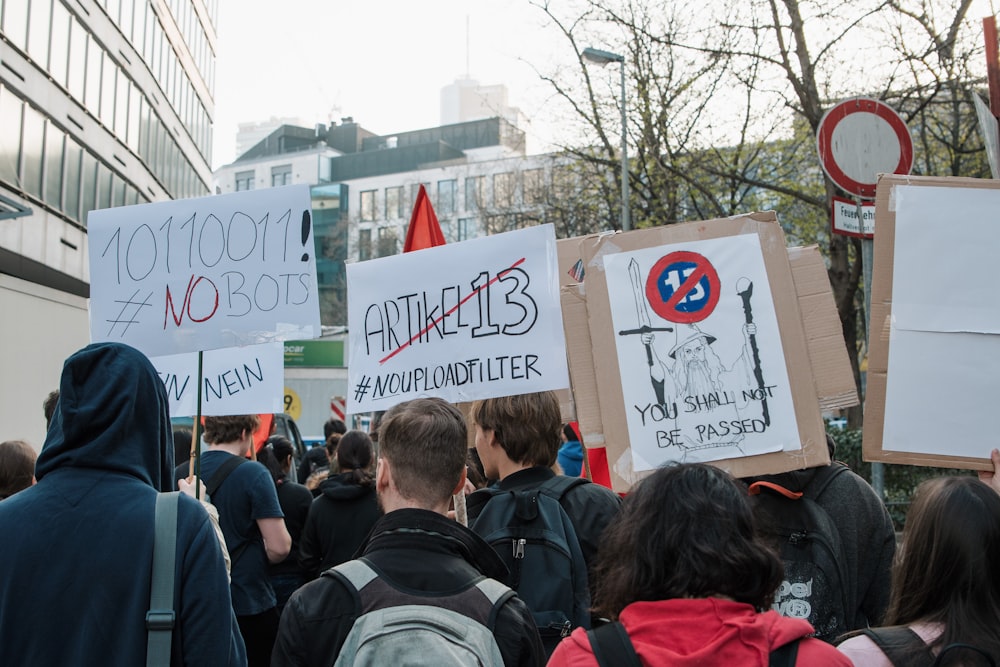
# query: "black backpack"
(815, 585)
(904, 648)
(535, 538)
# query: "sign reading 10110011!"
(461, 322)
(206, 273)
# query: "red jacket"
(704, 632)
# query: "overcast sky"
(383, 62)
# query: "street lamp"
(603, 58)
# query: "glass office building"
(102, 103)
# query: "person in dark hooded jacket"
(78, 545)
(345, 511)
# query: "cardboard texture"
(881, 307)
(611, 429)
(831, 367)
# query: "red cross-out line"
(458, 305)
(689, 283)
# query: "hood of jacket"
(112, 415)
(343, 487)
(708, 631)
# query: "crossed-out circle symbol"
(683, 287)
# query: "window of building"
(364, 244)
(54, 165)
(388, 241)
(10, 135)
(394, 203)
(534, 186)
(466, 229)
(281, 175)
(244, 180)
(503, 190)
(31, 151)
(446, 197)
(475, 193)
(368, 205)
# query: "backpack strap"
(785, 655)
(560, 484)
(612, 647)
(212, 485)
(356, 572)
(160, 618)
(901, 645)
(817, 485)
(497, 594)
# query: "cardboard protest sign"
(798, 426)
(831, 368)
(930, 381)
(206, 273)
(235, 381)
(461, 322)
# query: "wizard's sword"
(645, 327)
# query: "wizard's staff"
(745, 289)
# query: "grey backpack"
(397, 628)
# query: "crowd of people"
(368, 565)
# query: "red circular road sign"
(683, 287)
(859, 139)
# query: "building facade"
(364, 185)
(102, 103)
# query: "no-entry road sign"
(860, 138)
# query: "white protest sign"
(206, 273)
(461, 322)
(235, 381)
(702, 366)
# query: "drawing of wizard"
(712, 405)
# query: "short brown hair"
(424, 441)
(229, 429)
(17, 467)
(527, 426)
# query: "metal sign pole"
(867, 253)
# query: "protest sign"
(930, 381)
(461, 322)
(206, 273)
(235, 381)
(600, 382)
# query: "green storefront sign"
(314, 354)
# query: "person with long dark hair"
(345, 510)
(945, 599)
(685, 574)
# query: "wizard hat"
(687, 333)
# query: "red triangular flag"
(424, 230)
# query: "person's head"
(524, 427)
(49, 406)
(182, 445)
(267, 458)
(354, 454)
(17, 467)
(283, 451)
(686, 531)
(568, 434)
(423, 450)
(333, 425)
(332, 442)
(230, 429)
(945, 569)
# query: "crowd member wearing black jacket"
(318, 457)
(517, 438)
(414, 547)
(344, 512)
